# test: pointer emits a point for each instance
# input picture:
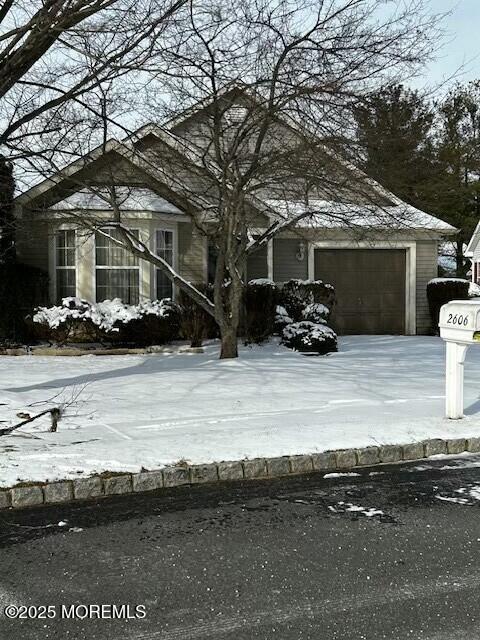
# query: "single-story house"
(380, 270)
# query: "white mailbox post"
(459, 327)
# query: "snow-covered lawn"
(148, 411)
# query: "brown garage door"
(370, 289)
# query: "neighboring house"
(473, 252)
(380, 276)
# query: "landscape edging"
(35, 494)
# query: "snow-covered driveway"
(128, 412)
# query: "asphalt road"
(393, 555)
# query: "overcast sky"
(461, 50)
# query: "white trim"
(472, 245)
(270, 270)
(174, 231)
(52, 259)
(106, 267)
(410, 270)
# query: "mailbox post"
(459, 327)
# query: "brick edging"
(63, 491)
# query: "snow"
(308, 331)
(316, 312)
(128, 199)
(327, 476)
(329, 214)
(262, 282)
(343, 507)
(473, 289)
(443, 280)
(103, 314)
(129, 412)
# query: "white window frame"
(173, 230)
(410, 270)
(96, 266)
(53, 266)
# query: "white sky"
(460, 52)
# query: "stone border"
(73, 351)
(109, 484)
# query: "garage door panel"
(370, 288)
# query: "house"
(379, 263)
(473, 252)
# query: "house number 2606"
(458, 319)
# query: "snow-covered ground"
(129, 412)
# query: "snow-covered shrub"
(296, 295)
(316, 312)
(260, 304)
(282, 319)
(78, 320)
(195, 323)
(443, 290)
(157, 322)
(474, 290)
(69, 322)
(309, 337)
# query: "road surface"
(382, 555)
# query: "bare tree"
(279, 81)
(54, 52)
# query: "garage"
(370, 288)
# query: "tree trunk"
(229, 343)
(228, 291)
(7, 219)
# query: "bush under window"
(77, 320)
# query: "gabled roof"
(272, 209)
(125, 150)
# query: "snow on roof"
(337, 214)
(129, 199)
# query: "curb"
(34, 494)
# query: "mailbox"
(459, 327)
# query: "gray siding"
(285, 264)
(257, 266)
(191, 253)
(427, 269)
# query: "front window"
(65, 276)
(164, 249)
(117, 270)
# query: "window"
(117, 272)
(65, 273)
(164, 249)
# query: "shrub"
(22, 288)
(77, 320)
(316, 312)
(296, 295)
(195, 323)
(443, 290)
(158, 322)
(260, 306)
(282, 319)
(309, 337)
